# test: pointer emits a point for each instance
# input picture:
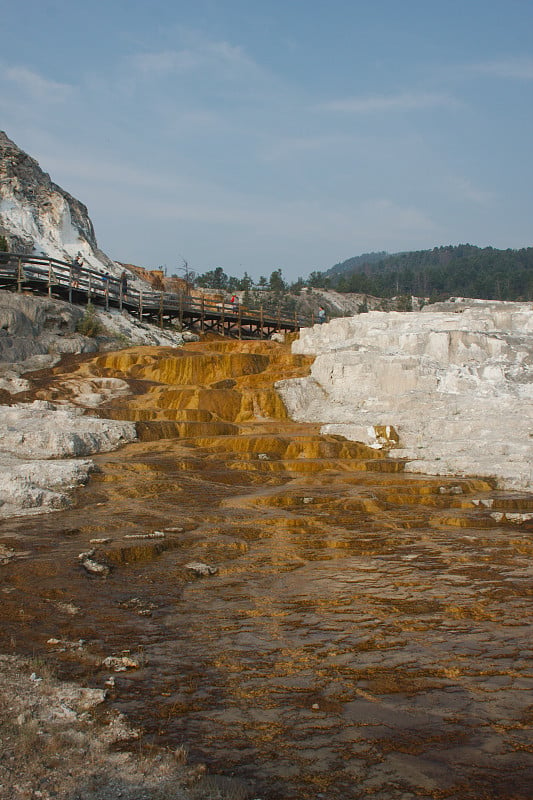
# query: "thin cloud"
(38, 87)
(167, 62)
(466, 189)
(514, 68)
(218, 56)
(405, 101)
(229, 54)
(102, 172)
(299, 219)
(198, 117)
(289, 147)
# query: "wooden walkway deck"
(55, 278)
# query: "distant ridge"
(353, 264)
(464, 270)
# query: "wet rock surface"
(367, 632)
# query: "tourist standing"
(75, 271)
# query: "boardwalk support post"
(20, 275)
(51, 277)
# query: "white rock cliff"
(456, 385)
(39, 217)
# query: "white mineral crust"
(43, 452)
(456, 384)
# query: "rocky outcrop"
(456, 385)
(42, 430)
(43, 452)
(32, 326)
(39, 485)
(345, 304)
(36, 326)
(39, 217)
(34, 333)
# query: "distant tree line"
(271, 293)
(462, 270)
(217, 279)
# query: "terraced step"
(163, 415)
(292, 447)
(151, 431)
(504, 502)
(474, 520)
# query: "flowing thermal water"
(366, 633)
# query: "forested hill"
(356, 263)
(464, 270)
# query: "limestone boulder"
(43, 430)
(32, 326)
(43, 454)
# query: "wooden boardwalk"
(26, 273)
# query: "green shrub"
(404, 303)
(89, 324)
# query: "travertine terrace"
(363, 632)
(455, 385)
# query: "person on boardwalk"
(75, 271)
(105, 281)
(124, 283)
(321, 315)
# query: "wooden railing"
(84, 285)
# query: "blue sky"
(264, 135)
